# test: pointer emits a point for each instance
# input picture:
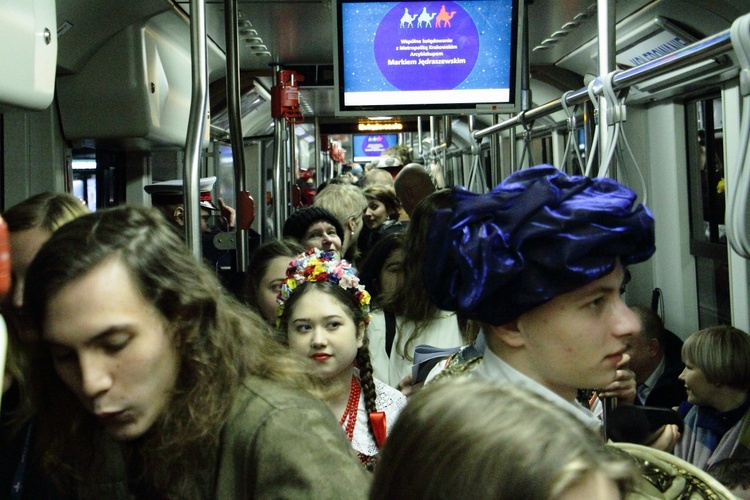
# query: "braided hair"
(316, 270)
(366, 380)
(362, 358)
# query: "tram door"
(708, 241)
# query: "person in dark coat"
(655, 359)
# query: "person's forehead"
(608, 282)
(277, 267)
(612, 279)
(318, 303)
(25, 244)
(396, 254)
(321, 224)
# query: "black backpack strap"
(390, 332)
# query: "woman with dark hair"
(266, 273)
(382, 207)
(156, 383)
(323, 318)
(383, 269)
(381, 216)
(408, 318)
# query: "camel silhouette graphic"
(426, 18)
(407, 20)
(444, 17)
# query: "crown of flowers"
(322, 266)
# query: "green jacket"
(282, 444)
(278, 443)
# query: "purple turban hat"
(538, 234)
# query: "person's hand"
(665, 438)
(406, 387)
(229, 214)
(623, 387)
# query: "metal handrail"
(707, 48)
(235, 125)
(196, 124)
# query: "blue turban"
(538, 234)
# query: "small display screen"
(368, 147)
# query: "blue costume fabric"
(538, 234)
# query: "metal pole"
(605, 16)
(701, 50)
(433, 134)
(419, 136)
(495, 155)
(318, 165)
(513, 148)
(286, 166)
(196, 124)
(261, 191)
(235, 124)
(279, 200)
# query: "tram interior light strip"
(372, 127)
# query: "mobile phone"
(658, 417)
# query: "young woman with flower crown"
(323, 317)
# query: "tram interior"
(105, 107)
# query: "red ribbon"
(377, 419)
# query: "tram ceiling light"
(570, 25)
(252, 39)
(379, 118)
(559, 34)
(540, 47)
(257, 48)
(549, 41)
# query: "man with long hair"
(156, 383)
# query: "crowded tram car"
(233, 118)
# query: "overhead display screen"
(368, 147)
(417, 56)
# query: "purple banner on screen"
(430, 47)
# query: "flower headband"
(321, 266)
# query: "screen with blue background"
(398, 46)
(367, 147)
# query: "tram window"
(224, 166)
(708, 243)
(84, 181)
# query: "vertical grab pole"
(606, 42)
(318, 166)
(196, 124)
(279, 187)
(605, 16)
(235, 124)
(419, 136)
